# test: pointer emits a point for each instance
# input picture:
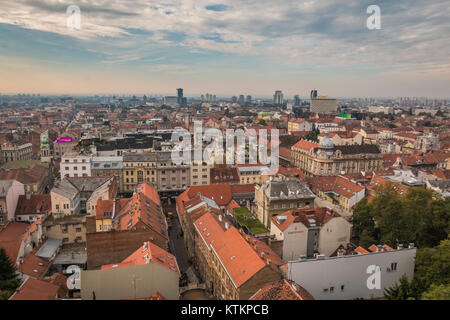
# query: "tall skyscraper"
(180, 99)
(297, 100)
(278, 97)
(248, 99)
(241, 99)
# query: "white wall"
(334, 233)
(351, 271)
(17, 189)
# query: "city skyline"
(228, 48)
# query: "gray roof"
(287, 189)
(49, 248)
(69, 187)
(79, 257)
(66, 189)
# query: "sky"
(226, 47)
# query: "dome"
(326, 142)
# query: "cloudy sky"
(226, 47)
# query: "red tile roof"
(37, 204)
(33, 289)
(305, 145)
(149, 252)
(282, 290)
(341, 185)
(320, 216)
(11, 238)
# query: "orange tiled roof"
(33, 289)
(305, 145)
(11, 238)
(282, 290)
(338, 184)
(149, 252)
(304, 215)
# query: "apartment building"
(108, 167)
(199, 173)
(251, 173)
(233, 265)
(278, 195)
(306, 231)
(74, 164)
(362, 274)
(144, 272)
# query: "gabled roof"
(11, 238)
(33, 289)
(282, 290)
(309, 217)
(36, 204)
(305, 145)
(236, 254)
(149, 252)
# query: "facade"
(299, 125)
(32, 207)
(353, 276)
(251, 173)
(323, 104)
(70, 229)
(278, 195)
(107, 167)
(10, 190)
(155, 168)
(147, 270)
(80, 195)
(305, 232)
(325, 159)
(74, 164)
(199, 173)
(17, 152)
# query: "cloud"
(415, 34)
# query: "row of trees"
(8, 277)
(431, 276)
(418, 216)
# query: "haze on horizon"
(226, 47)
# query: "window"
(65, 240)
(394, 266)
(78, 229)
(342, 288)
(331, 289)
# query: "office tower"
(297, 100)
(278, 97)
(241, 99)
(202, 98)
(180, 96)
(249, 99)
(321, 104)
(234, 99)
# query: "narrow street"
(176, 244)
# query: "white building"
(306, 231)
(75, 165)
(352, 276)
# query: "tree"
(400, 290)
(364, 224)
(8, 277)
(435, 292)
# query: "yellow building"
(138, 168)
